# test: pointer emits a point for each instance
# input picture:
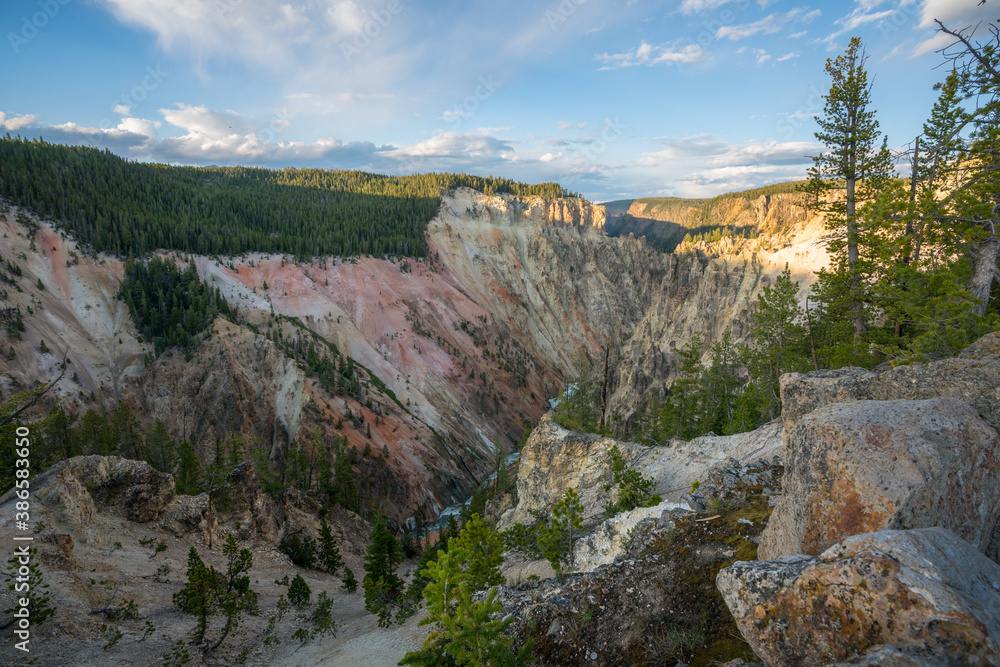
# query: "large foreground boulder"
(972, 377)
(859, 467)
(926, 593)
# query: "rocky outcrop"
(926, 593)
(133, 489)
(186, 514)
(555, 459)
(625, 534)
(972, 377)
(65, 497)
(589, 618)
(865, 466)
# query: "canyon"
(459, 350)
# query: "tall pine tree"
(858, 159)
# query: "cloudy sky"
(612, 98)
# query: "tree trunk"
(984, 263)
(853, 234)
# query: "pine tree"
(299, 592)
(973, 164)
(469, 632)
(198, 596)
(557, 537)
(188, 475)
(859, 157)
(349, 582)
(479, 551)
(160, 448)
(633, 489)
(720, 382)
(329, 555)
(39, 602)
(381, 584)
(682, 410)
(778, 344)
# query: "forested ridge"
(130, 208)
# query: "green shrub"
(299, 593)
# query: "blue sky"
(614, 99)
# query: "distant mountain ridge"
(665, 221)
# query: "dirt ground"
(107, 565)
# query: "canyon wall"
(458, 350)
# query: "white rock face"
(613, 537)
(555, 459)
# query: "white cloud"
(863, 13)
(787, 56)
(549, 157)
(132, 136)
(453, 145)
(697, 6)
(956, 16)
(17, 122)
(649, 55)
(122, 109)
(768, 25)
(951, 12)
(346, 18)
(202, 122)
(761, 55)
(702, 165)
(564, 125)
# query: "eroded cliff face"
(460, 348)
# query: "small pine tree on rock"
(382, 585)
(329, 555)
(557, 538)
(350, 583)
(299, 593)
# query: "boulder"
(625, 533)
(68, 500)
(554, 459)
(926, 593)
(884, 655)
(186, 514)
(972, 377)
(859, 467)
(136, 488)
